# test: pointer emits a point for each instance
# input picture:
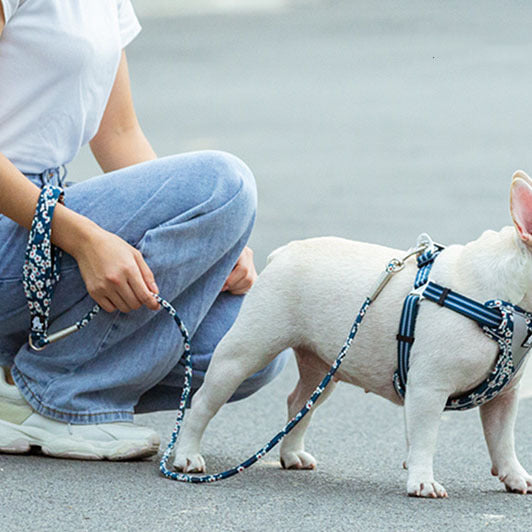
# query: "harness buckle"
(419, 291)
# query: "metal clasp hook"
(396, 265)
(54, 337)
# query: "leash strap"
(41, 272)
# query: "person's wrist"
(73, 232)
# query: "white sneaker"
(22, 428)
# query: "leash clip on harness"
(41, 273)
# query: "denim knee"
(235, 184)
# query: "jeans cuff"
(75, 418)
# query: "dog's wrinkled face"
(521, 205)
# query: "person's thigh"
(129, 201)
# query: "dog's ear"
(521, 205)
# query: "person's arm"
(18, 198)
(120, 141)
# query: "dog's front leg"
(423, 408)
(498, 421)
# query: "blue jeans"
(190, 215)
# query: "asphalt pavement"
(368, 120)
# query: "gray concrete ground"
(367, 120)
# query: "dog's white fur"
(306, 298)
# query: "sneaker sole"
(15, 439)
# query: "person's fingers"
(241, 289)
(143, 292)
(106, 304)
(119, 302)
(143, 295)
(147, 274)
(238, 273)
(240, 280)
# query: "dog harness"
(508, 325)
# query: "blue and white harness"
(507, 324)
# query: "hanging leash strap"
(183, 477)
(41, 273)
(507, 324)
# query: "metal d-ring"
(395, 265)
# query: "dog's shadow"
(269, 475)
(354, 484)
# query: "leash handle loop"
(42, 271)
(42, 264)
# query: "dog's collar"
(507, 324)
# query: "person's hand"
(115, 273)
(243, 275)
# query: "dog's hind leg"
(311, 372)
(262, 330)
(234, 360)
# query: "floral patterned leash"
(41, 273)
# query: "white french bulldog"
(328, 279)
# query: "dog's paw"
(517, 482)
(193, 463)
(430, 489)
(298, 460)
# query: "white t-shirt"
(58, 63)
